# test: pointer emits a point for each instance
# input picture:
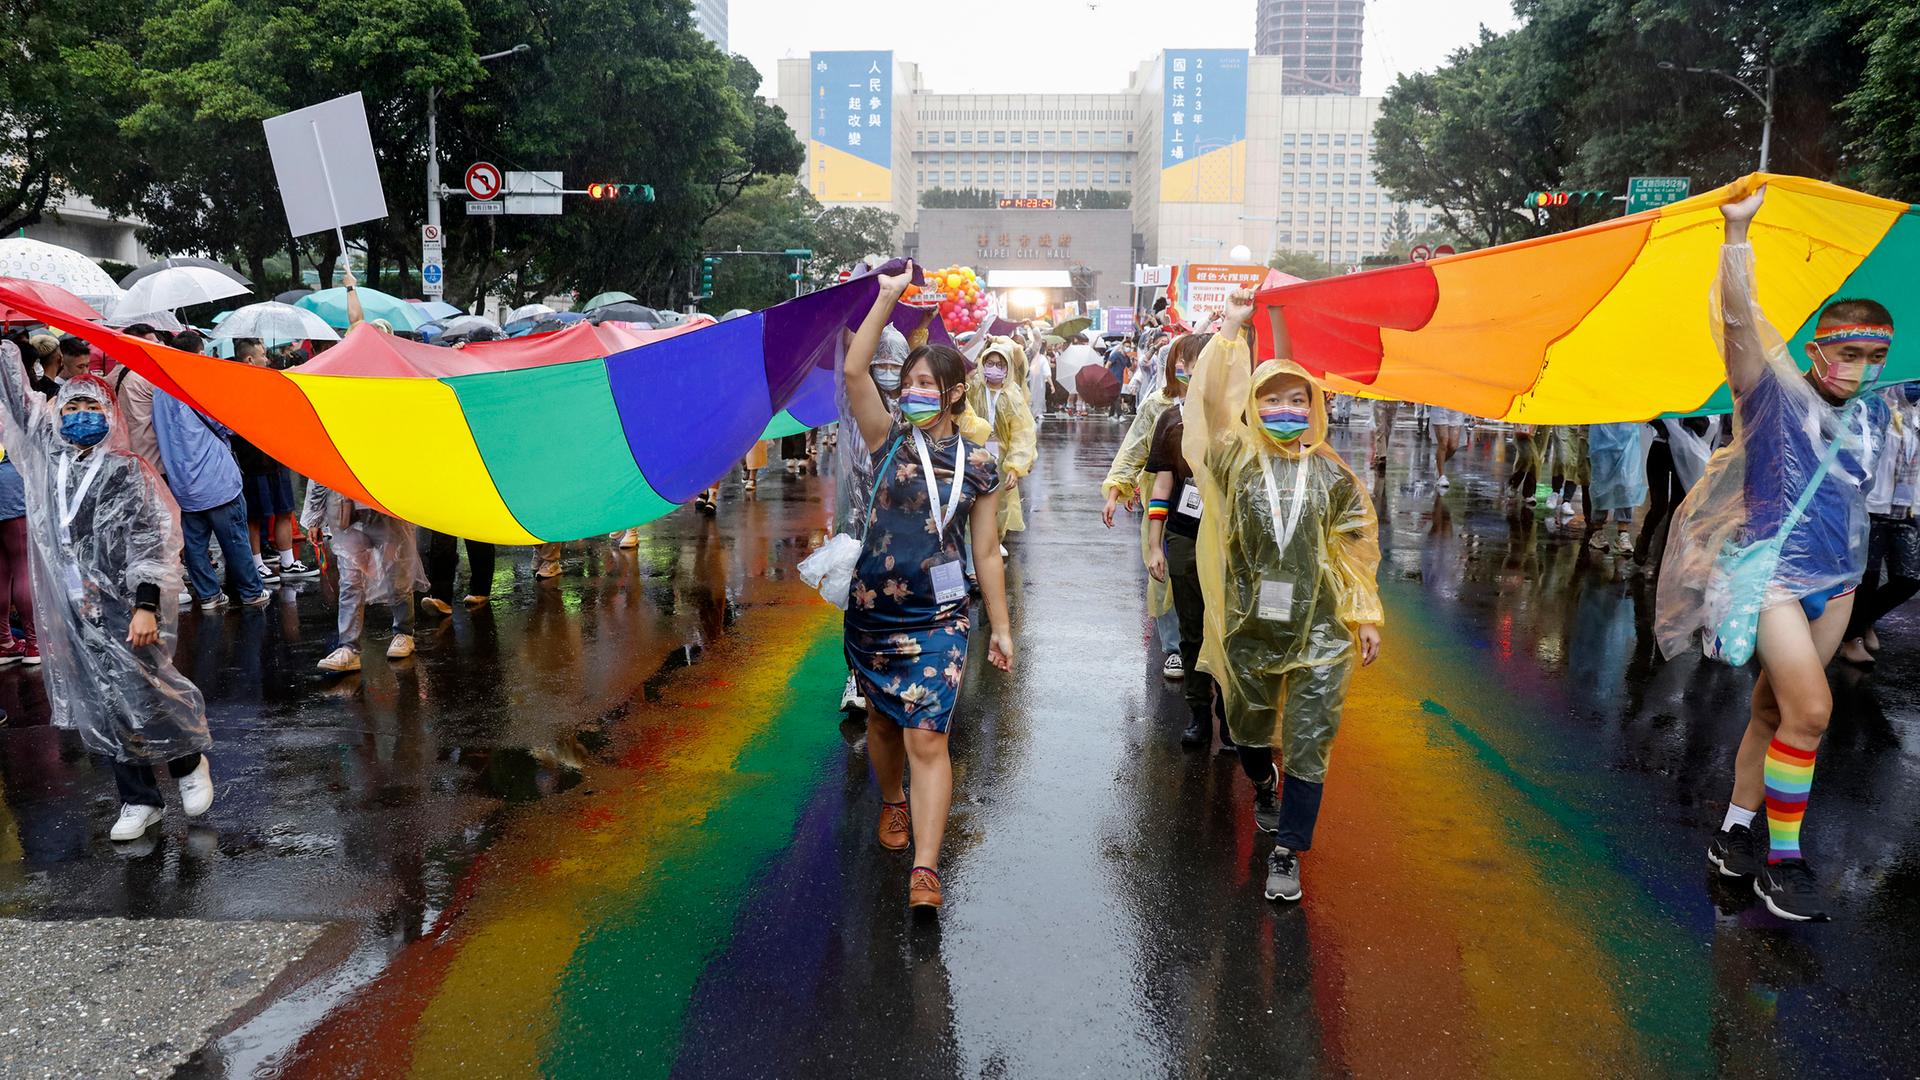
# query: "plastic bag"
(830, 569)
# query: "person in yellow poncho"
(1125, 485)
(1288, 549)
(996, 392)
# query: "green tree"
(939, 198)
(54, 118)
(847, 235)
(1092, 199)
(1883, 110)
(773, 214)
(1302, 264)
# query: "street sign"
(1420, 253)
(486, 208)
(430, 235)
(483, 180)
(432, 276)
(1648, 192)
(534, 193)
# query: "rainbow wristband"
(1157, 509)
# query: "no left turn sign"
(483, 180)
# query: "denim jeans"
(227, 524)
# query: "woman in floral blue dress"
(907, 623)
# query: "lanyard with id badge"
(949, 576)
(1276, 597)
(993, 411)
(68, 506)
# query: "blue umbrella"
(331, 305)
(436, 309)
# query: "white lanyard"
(69, 506)
(933, 486)
(993, 405)
(1283, 530)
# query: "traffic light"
(707, 266)
(608, 192)
(1548, 199)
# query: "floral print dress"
(909, 650)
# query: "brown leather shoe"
(923, 888)
(896, 828)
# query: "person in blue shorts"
(1780, 515)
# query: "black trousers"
(1892, 545)
(1190, 605)
(137, 784)
(1299, 799)
(443, 561)
(1664, 494)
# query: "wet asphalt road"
(612, 828)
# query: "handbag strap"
(880, 474)
(1813, 482)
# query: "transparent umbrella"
(273, 321)
(178, 286)
(528, 311)
(35, 260)
(169, 263)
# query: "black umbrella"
(292, 296)
(183, 260)
(627, 313)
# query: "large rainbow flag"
(1607, 323)
(553, 437)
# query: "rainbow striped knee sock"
(1789, 776)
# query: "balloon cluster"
(965, 305)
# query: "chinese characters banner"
(1203, 126)
(850, 144)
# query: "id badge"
(1276, 601)
(1190, 500)
(949, 582)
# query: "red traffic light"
(600, 191)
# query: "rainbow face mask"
(1284, 423)
(1181, 375)
(920, 407)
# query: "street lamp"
(433, 135)
(1273, 234)
(1765, 100)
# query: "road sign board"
(1648, 192)
(430, 235)
(486, 208)
(534, 192)
(483, 180)
(1420, 253)
(432, 274)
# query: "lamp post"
(434, 191)
(1765, 100)
(1273, 234)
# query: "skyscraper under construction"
(1318, 42)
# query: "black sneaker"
(1787, 888)
(1736, 852)
(1283, 875)
(1266, 804)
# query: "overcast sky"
(1076, 46)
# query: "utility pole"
(434, 191)
(1765, 100)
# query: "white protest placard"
(323, 158)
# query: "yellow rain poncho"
(1127, 478)
(1009, 416)
(1284, 676)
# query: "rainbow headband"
(1840, 335)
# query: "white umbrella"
(159, 320)
(525, 311)
(178, 287)
(35, 260)
(274, 322)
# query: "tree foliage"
(775, 213)
(939, 198)
(54, 118)
(1302, 264)
(1092, 199)
(1883, 109)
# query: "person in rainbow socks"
(1766, 552)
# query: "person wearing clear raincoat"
(1126, 485)
(379, 563)
(996, 392)
(1288, 551)
(104, 550)
(1765, 553)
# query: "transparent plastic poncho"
(1127, 478)
(1617, 466)
(1782, 428)
(854, 477)
(378, 557)
(1284, 679)
(1009, 416)
(121, 530)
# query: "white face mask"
(887, 378)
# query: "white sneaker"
(341, 659)
(1003, 551)
(400, 647)
(268, 575)
(261, 600)
(851, 700)
(1623, 544)
(1173, 668)
(1443, 483)
(1553, 503)
(186, 598)
(214, 603)
(196, 789)
(134, 821)
(299, 571)
(1566, 508)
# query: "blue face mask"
(887, 378)
(1912, 391)
(83, 428)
